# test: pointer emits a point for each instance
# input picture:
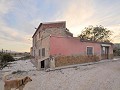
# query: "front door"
(105, 52)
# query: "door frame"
(105, 52)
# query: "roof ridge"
(54, 22)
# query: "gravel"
(100, 76)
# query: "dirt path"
(103, 76)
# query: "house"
(54, 46)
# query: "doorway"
(105, 52)
(43, 64)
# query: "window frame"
(92, 50)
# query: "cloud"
(5, 6)
(18, 18)
(4, 29)
(76, 13)
(116, 32)
(10, 36)
(82, 13)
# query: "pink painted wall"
(71, 46)
(111, 49)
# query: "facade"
(54, 46)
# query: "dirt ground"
(101, 76)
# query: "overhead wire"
(21, 5)
(26, 11)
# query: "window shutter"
(43, 52)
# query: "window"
(43, 52)
(89, 50)
(34, 52)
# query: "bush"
(6, 58)
(116, 52)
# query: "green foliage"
(98, 33)
(6, 58)
(116, 52)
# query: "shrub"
(116, 52)
(6, 58)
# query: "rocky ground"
(101, 76)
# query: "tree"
(98, 33)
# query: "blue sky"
(18, 18)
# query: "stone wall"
(54, 25)
(41, 37)
(70, 60)
(42, 44)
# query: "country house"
(54, 46)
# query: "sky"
(19, 18)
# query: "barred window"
(89, 50)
